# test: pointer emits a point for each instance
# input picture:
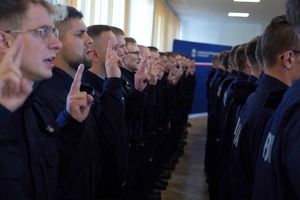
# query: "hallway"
(188, 178)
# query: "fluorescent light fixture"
(234, 14)
(250, 1)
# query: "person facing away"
(280, 71)
(277, 166)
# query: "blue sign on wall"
(202, 53)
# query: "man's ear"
(248, 63)
(5, 42)
(287, 59)
(94, 55)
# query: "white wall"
(219, 33)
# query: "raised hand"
(141, 77)
(172, 78)
(178, 74)
(14, 89)
(78, 103)
(160, 72)
(153, 73)
(112, 63)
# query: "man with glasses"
(277, 169)
(279, 46)
(75, 178)
(32, 141)
(133, 58)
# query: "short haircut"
(183, 55)
(215, 58)
(224, 60)
(64, 25)
(162, 54)
(171, 54)
(12, 12)
(278, 37)
(129, 40)
(250, 51)
(240, 57)
(154, 49)
(232, 54)
(117, 31)
(293, 14)
(96, 30)
(221, 55)
(258, 54)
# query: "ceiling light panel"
(249, 1)
(234, 14)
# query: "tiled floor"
(188, 179)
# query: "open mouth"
(49, 60)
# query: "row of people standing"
(86, 113)
(246, 92)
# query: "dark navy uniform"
(134, 106)
(77, 175)
(135, 102)
(242, 90)
(252, 79)
(222, 89)
(212, 138)
(113, 141)
(249, 127)
(228, 109)
(215, 74)
(210, 75)
(54, 93)
(228, 94)
(277, 169)
(31, 145)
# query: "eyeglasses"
(44, 32)
(137, 53)
(293, 52)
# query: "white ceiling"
(217, 10)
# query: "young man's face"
(171, 64)
(122, 46)
(192, 63)
(76, 45)
(146, 52)
(101, 44)
(163, 61)
(36, 61)
(133, 58)
(154, 58)
(178, 60)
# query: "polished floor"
(188, 178)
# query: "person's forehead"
(120, 39)
(77, 25)
(163, 58)
(154, 54)
(171, 58)
(37, 16)
(132, 47)
(145, 50)
(108, 35)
